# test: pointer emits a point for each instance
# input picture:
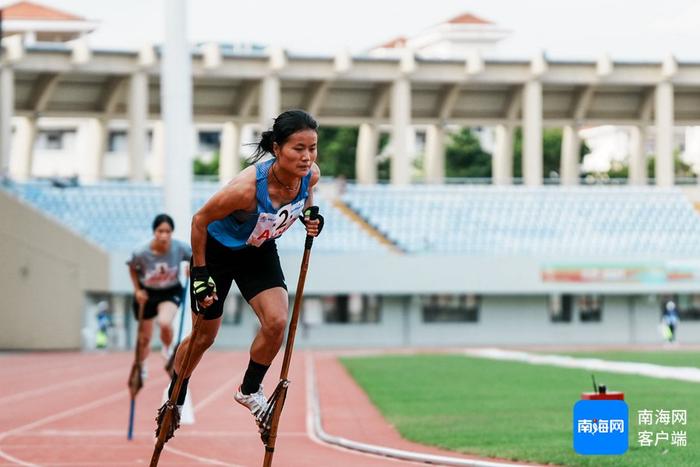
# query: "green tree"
(336, 151)
(680, 168)
(464, 156)
(201, 167)
(551, 152)
(621, 169)
(384, 166)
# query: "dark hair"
(160, 218)
(286, 124)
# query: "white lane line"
(224, 387)
(14, 460)
(52, 418)
(632, 368)
(80, 409)
(316, 428)
(28, 367)
(58, 416)
(66, 413)
(54, 387)
(204, 460)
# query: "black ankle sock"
(253, 377)
(183, 389)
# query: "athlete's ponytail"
(266, 141)
(286, 124)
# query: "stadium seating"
(117, 215)
(445, 219)
(517, 220)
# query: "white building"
(457, 37)
(37, 23)
(71, 110)
(61, 147)
(611, 145)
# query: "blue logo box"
(601, 427)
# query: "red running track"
(71, 409)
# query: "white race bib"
(271, 225)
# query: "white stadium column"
(503, 155)
(570, 149)
(532, 133)
(138, 115)
(270, 104)
(176, 101)
(435, 154)
(23, 148)
(637, 157)
(158, 156)
(7, 106)
(229, 152)
(270, 100)
(400, 134)
(96, 134)
(663, 111)
(366, 153)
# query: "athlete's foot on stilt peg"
(172, 414)
(264, 420)
(255, 402)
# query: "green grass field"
(518, 411)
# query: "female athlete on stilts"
(155, 274)
(233, 238)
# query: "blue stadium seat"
(550, 220)
(446, 219)
(117, 215)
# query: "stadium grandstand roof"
(50, 81)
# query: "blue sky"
(624, 29)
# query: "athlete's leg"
(166, 312)
(206, 334)
(145, 338)
(271, 307)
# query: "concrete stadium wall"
(524, 320)
(514, 306)
(393, 274)
(389, 332)
(46, 271)
(503, 321)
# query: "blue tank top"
(267, 223)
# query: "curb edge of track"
(378, 450)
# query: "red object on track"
(606, 396)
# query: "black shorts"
(155, 298)
(254, 269)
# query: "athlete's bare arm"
(238, 194)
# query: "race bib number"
(272, 225)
